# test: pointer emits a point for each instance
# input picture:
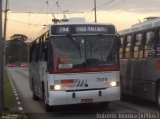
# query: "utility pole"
(5, 27)
(1, 60)
(95, 10)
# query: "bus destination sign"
(91, 29)
(82, 29)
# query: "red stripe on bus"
(68, 70)
(104, 68)
(65, 62)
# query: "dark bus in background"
(140, 60)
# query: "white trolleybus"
(75, 62)
(140, 60)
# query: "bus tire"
(158, 94)
(121, 87)
(48, 108)
(42, 91)
(104, 104)
(34, 96)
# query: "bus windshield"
(81, 52)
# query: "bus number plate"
(86, 100)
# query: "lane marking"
(20, 108)
(17, 98)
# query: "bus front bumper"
(57, 98)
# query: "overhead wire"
(34, 19)
(87, 13)
(114, 5)
(63, 11)
(41, 9)
(54, 6)
(21, 22)
(99, 7)
(44, 15)
(105, 4)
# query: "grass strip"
(9, 98)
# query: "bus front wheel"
(48, 108)
(104, 104)
(35, 97)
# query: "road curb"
(20, 108)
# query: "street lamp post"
(1, 60)
(95, 10)
(5, 27)
(2, 52)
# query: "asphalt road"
(35, 109)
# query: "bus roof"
(150, 22)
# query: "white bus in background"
(75, 62)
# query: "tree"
(16, 50)
(19, 38)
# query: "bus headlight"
(113, 84)
(57, 87)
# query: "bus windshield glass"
(81, 52)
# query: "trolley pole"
(1, 60)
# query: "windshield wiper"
(74, 42)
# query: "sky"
(28, 17)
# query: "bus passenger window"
(138, 50)
(121, 47)
(129, 38)
(149, 44)
(158, 45)
(30, 53)
(37, 50)
(150, 37)
(45, 52)
(33, 55)
(128, 47)
(159, 37)
(122, 40)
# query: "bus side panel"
(151, 74)
(42, 80)
(30, 76)
(35, 77)
(138, 71)
(151, 70)
(141, 86)
(125, 75)
(143, 77)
